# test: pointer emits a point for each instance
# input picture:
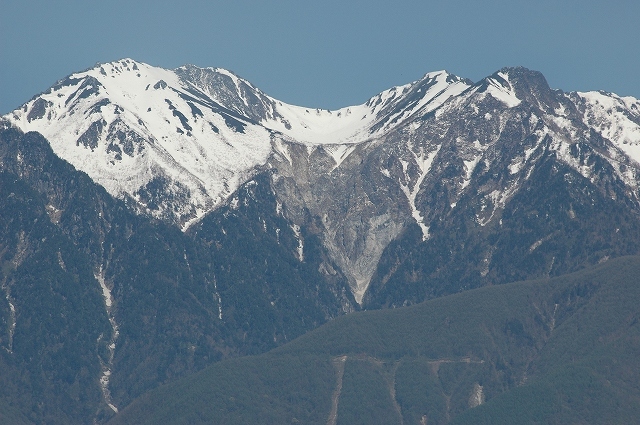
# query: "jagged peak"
(519, 70)
(514, 77)
(414, 90)
(428, 78)
(448, 76)
(190, 69)
(513, 85)
(524, 78)
(117, 66)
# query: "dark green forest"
(552, 351)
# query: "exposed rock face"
(351, 206)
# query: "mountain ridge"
(237, 104)
(220, 235)
(177, 144)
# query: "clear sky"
(324, 53)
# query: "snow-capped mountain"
(179, 142)
(175, 144)
(275, 218)
(483, 180)
(454, 170)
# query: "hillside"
(100, 305)
(560, 350)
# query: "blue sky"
(324, 53)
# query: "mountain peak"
(446, 76)
(524, 78)
(513, 85)
(530, 86)
(206, 130)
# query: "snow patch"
(615, 118)
(505, 95)
(469, 167)
(282, 149)
(424, 162)
(518, 162)
(497, 199)
(12, 317)
(516, 166)
(535, 245)
(217, 298)
(339, 152)
(562, 150)
(300, 248)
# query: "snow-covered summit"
(314, 126)
(178, 142)
(145, 135)
(377, 116)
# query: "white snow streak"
(339, 152)
(106, 366)
(469, 167)
(218, 298)
(424, 162)
(300, 248)
(12, 319)
(505, 95)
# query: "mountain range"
(180, 217)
